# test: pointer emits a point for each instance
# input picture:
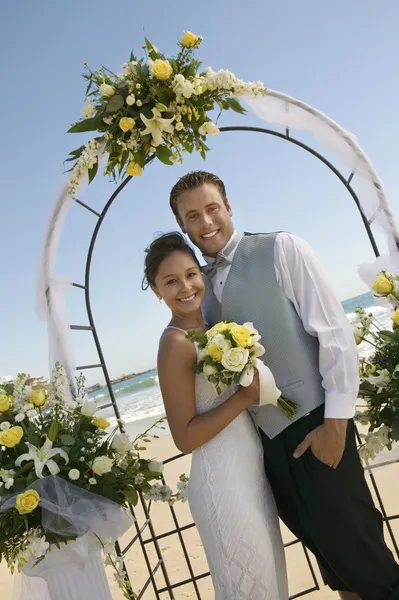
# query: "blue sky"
(340, 57)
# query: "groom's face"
(206, 218)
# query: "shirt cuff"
(340, 406)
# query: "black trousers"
(332, 512)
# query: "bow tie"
(220, 262)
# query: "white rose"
(179, 126)
(9, 483)
(74, 474)
(88, 407)
(358, 335)
(102, 465)
(106, 90)
(92, 481)
(5, 425)
(187, 89)
(131, 99)
(235, 359)
(19, 417)
(209, 128)
(209, 370)
(32, 413)
(179, 79)
(155, 466)
(221, 342)
(121, 443)
(88, 110)
(247, 376)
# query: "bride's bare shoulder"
(175, 345)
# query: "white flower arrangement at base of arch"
(157, 108)
(65, 473)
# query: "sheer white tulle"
(234, 509)
(70, 511)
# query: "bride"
(229, 496)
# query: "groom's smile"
(205, 215)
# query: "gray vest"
(252, 293)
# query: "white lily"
(156, 126)
(43, 457)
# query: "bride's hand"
(250, 395)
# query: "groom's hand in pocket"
(327, 442)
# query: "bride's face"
(179, 283)
(206, 218)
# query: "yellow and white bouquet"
(156, 108)
(228, 354)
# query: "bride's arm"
(176, 359)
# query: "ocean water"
(139, 398)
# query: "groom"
(311, 461)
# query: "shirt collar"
(231, 247)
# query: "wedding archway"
(140, 537)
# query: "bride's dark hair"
(160, 249)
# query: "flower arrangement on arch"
(156, 108)
(48, 444)
(379, 372)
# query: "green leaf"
(93, 172)
(131, 495)
(163, 154)
(388, 336)
(76, 153)
(234, 104)
(67, 440)
(86, 125)
(34, 440)
(114, 103)
(188, 146)
(395, 430)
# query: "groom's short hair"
(191, 181)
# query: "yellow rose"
(161, 69)
(11, 437)
(241, 335)
(382, 285)
(134, 169)
(101, 423)
(127, 123)
(189, 39)
(218, 328)
(215, 352)
(5, 402)
(27, 502)
(395, 317)
(37, 397)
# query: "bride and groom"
(251, 464)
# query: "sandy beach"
(300, 577)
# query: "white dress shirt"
(305, 284)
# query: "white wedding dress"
(234, 510)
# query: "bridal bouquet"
(379, 371)
(65, 472)
(228, 354)
(156, 108)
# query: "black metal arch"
(153, 538)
